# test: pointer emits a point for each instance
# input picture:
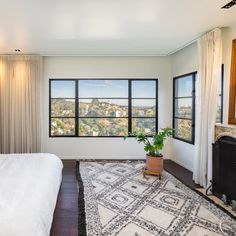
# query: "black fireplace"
(224, 168)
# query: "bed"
(29, 185)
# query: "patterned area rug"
(119, 201)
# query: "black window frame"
(221, 95)
(77, 117)
(193, 97)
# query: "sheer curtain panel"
(210, 60)
(20, 104)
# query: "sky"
(102, 88)
(183, 86)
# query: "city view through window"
(102, 107)
(184, 107)
(110, 108)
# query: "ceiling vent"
(230, 4)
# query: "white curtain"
(210, 60)
(20, 104)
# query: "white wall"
(183, 62)
(105, 67)
(163, 68)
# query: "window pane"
(62, 126)
(147, 125)
(219, 105)
(103, 107)
(221, 87)
(183, 129)
(184, 86)
(62, 89)
(218, 114)
(62, 107)
(183, 107)
(143, 89)
(144, 107)
(103, 88)
(103, 126)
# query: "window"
(63, 108)
(144, 106)
(219, 115)
(102, 107)
(184, 107)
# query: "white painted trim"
(20, 54)
(102, 157)
(182, 47)
(141, 157)
(104, 55)
(116, 55)
(191, 42)
(136, 55)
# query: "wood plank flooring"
(180, 173)
(65, 221)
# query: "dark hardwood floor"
(65, 221)
(180, 173)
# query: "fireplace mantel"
(225, 130)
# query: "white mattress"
(29, 185)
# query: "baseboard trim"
(117, 158)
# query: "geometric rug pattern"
(119, 201)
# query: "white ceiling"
(107, 27)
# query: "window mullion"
(193, 107)
(129, 105)
(50, 108)
(76, 108)
(156, 123)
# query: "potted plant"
(152, 146)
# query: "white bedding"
(29, 185)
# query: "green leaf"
(157, 142)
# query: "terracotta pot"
(154, 164)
